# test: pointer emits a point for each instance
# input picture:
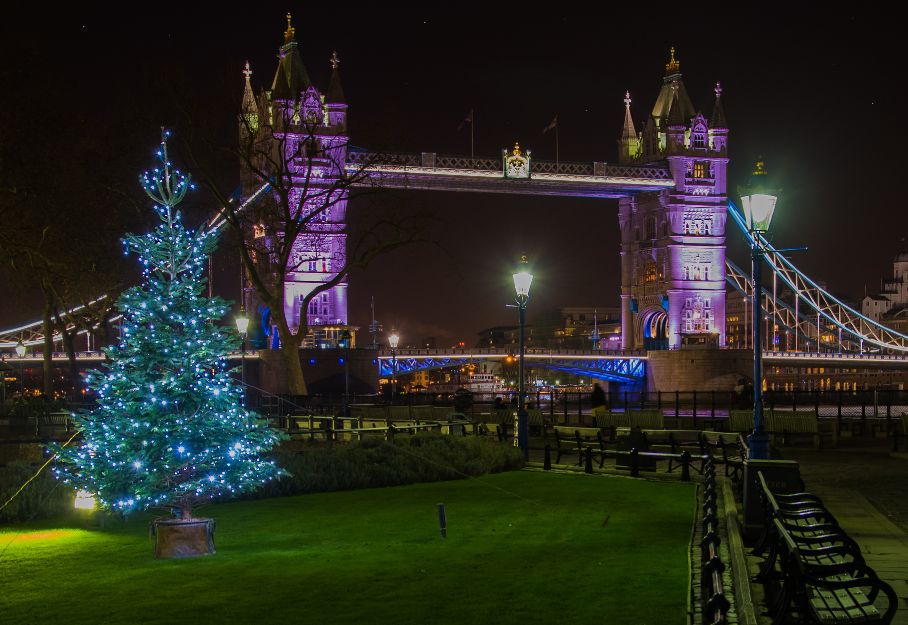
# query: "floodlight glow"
(85, 500)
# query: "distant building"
(889, 306)
(571, 327)
(576, 327)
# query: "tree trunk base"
(176, 538)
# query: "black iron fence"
(567, 404)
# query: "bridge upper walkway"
(430, 171)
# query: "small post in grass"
(442, 521)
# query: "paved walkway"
(867, 490)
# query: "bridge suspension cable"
(32, 334)
(848, 321)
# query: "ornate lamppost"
(759, 205)
(242, 326)
(393, 341)
(345, 337)
(522, 281)
(20, 352)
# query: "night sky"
(819, 96)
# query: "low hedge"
(370, 463)
(374, 463)
(43, 497)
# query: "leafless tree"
(292, 222)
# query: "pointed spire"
(629, 144)
(335, 94)
(673, 66)
(248, 95)
(675, 114)
(717, 120)
(629, 131)
(250, 110)
(290, 33)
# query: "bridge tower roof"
(291, 77)
(672, 89)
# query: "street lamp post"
(345, 337)
(20, 352)
(242, 326)
(393, 341)
(759, 205)
(522, 281)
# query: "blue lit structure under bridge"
(611, 367)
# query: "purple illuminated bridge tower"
(301, 113)
(673, 240)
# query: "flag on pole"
(468, 120)
(552, 124)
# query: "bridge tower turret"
(673, 241)
(310, 127)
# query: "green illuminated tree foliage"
(170, 428)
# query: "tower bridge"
(669, 182)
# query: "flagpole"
(472, 127)
(556, 142)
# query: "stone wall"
(697, 369)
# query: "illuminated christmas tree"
(170, 429)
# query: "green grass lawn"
(522, 547)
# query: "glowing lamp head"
(393, 340)
(84, 500)
(20, 349)
(523, 279)
(242, 322)
(758, 201)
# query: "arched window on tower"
(698, 135)
(650, 227)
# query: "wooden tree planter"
(177, 538)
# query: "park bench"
(399, 413)
(611, 421)
(801, 513)
(52, 424)
(785, 425)
(833, 587)
(536, 421)
(646, 419)
(731, 448)
(671, 442)
(491, 429)
(574, 440)
(741, 421)
(423, 413)
(500, 416)
(305, 424)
